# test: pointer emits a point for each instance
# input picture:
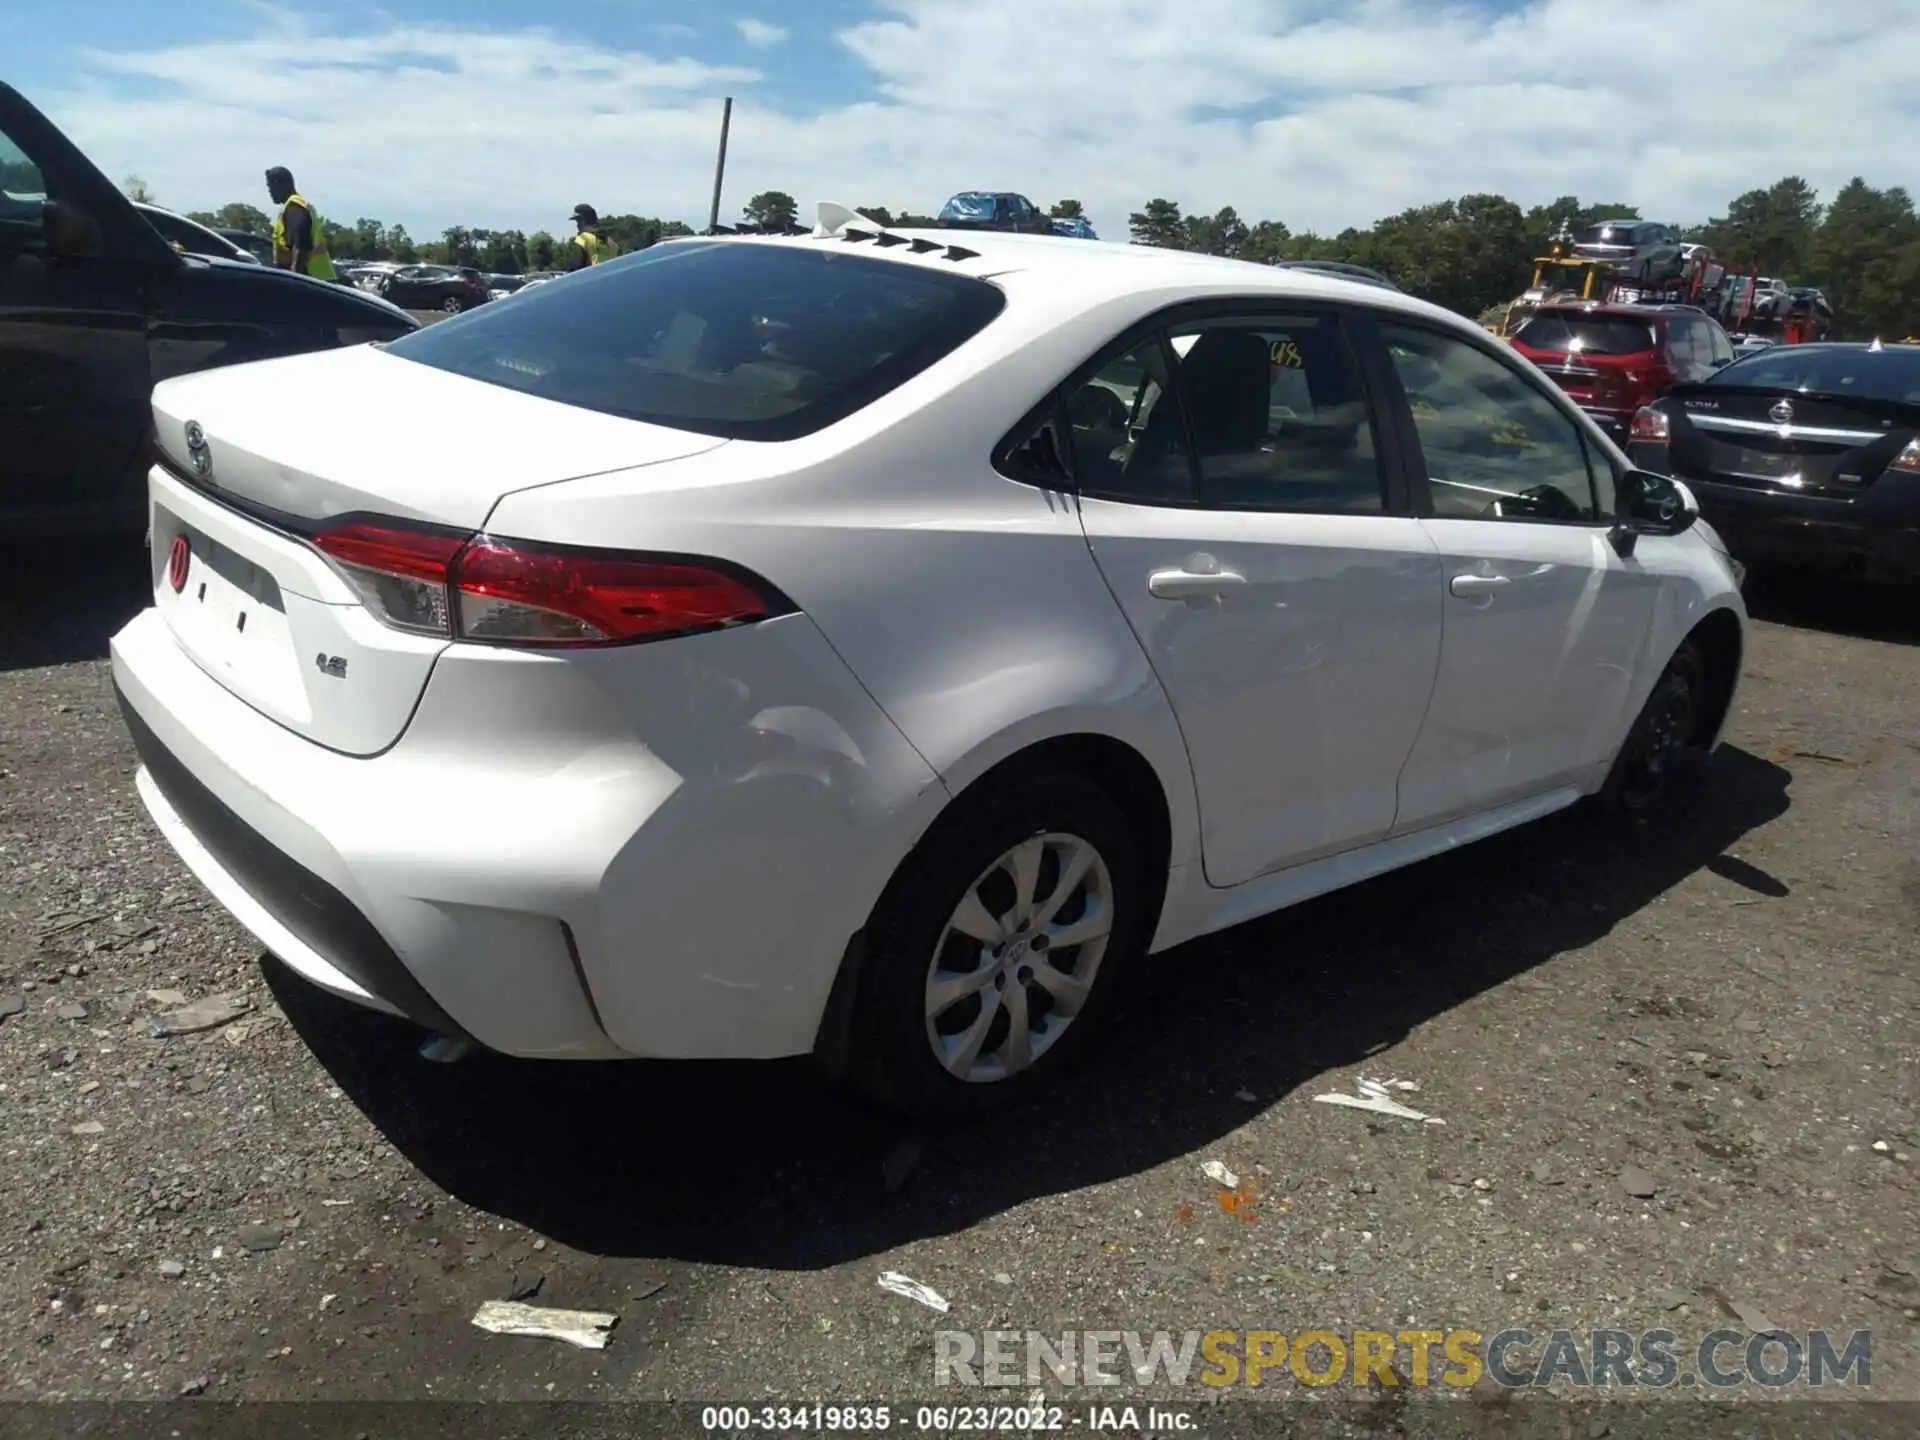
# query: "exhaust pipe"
(446, 1049)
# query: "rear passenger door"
(1248, 514)
(1544, 621)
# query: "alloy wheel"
(1018, 957)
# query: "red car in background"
(1612, 359)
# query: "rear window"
(1622, 234)
(968, 207)
(1586, 334)
(1891, 374)
(747, 341)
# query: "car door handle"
(1471, 585)
(1192, 584)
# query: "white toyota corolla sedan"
(868, 644)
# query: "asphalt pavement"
(1676, 1066)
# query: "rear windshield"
(968, 207)
(1586, 334)
(743, 340)
(1608, 234)
(1890, 374)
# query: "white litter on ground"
(900, 1284)
(584, 1328)
(1220, 1175)
(1376, 1097)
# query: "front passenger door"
(1545, 622)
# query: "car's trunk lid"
(258, 459)
(1603, 382)
(1799, 444)
(357, 430)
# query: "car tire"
(945, 1049)
(453, 305)
(1659, 742)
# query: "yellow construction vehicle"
(1560, 274)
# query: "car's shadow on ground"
(1839, 606)
(768, 1165)
(63, 600)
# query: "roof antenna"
(835, 217)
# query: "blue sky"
(1317, 113)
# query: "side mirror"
(70, 233)
(1650, 504)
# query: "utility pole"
(720, 165)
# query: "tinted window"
(1495, 447)
(184, 233)
(1278, 418)
(1719, 347)
(1587, 334)
(1614, 234)
(1128, 443)
(1683, 347)
(22, 193)
(746, 340)
(1891, 374)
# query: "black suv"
(95, 308)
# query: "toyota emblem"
(179, 557)
(197, 450)
(1782, 412)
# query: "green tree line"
(1861, 248)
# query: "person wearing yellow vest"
(586, 247)
(299, 240)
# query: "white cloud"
(759, 33)
(1348, 112)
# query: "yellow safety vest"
(319, 262)
(589, 242)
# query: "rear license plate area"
(215, 577)
(1767, 465)
(224, 609)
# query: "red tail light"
(400, 575)
(506, 592)
(1651, 426)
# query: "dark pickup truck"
(95, 307)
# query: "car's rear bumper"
(520, 869)
(1891, 556)
(1876, 536)
(1616, 422)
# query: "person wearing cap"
(585, 246)
(299, 240)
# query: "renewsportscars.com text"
(1655, 1359)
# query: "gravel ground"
(293, 1205)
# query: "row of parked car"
(448, 288)
(1802, 454)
